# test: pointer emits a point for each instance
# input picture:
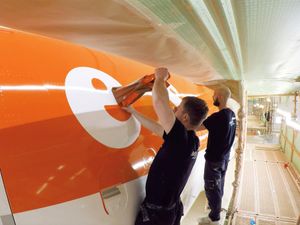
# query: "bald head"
(221, 96)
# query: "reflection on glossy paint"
(77, 174)
(142, 164)
(153, 151)
(42, 188)
(60, 167)
(51, 178)
(2, 27)
(47, 87)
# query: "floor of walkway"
(268, 194)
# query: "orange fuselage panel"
(47, 156)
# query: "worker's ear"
(186, 118)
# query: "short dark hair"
(196, 108)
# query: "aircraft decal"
(89, 94)
(89, 104)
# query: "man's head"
(221, 96)
(191, 112)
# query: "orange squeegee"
(127, 95)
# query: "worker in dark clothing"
(175, 159)
(221, 127)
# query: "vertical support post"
(242, 115)
(267, 115)
(285, 136)
(280, 134)
(293, 145)
(271, 110)
(294, 114)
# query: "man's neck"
(222, 106)
(188, 127)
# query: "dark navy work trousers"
(214, 178)
(150, 214)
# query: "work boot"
(208, 221)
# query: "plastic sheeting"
(111, 26)
(256, 41)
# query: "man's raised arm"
(146, 122)
(160, 98)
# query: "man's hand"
(161, 73)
